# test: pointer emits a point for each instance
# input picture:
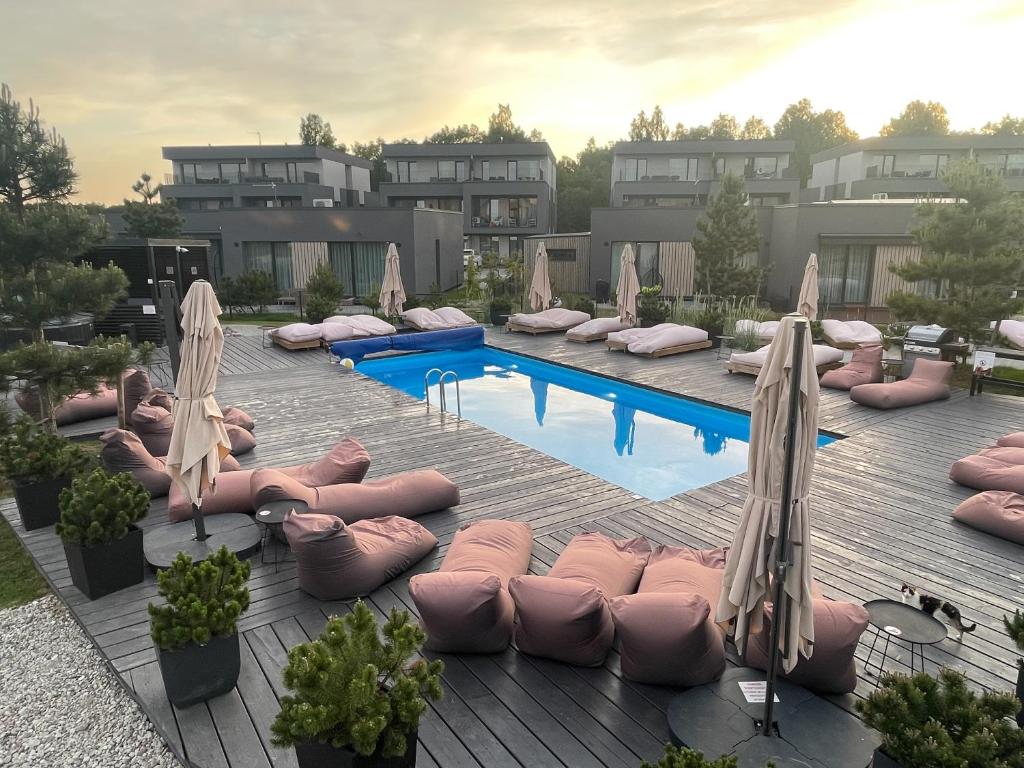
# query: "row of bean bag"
(335, 328)
(999, 472)
(423, 319)
(83, 406)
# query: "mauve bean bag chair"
(565, 615)
(153, 423)
(347, 462)
(1000, 513)
(465, 607)
(831, 668)
(1012, 440)
(928, 381)
(123, 452)
(135, 387)
(407, 494)
(865, 367)
(991, 469)
(81, 407)
(336, 561)
(673, 336)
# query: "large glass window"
(761, 167)
(406, 168)
(635, 169)
(275, 258)
(504, 212)
(446, 170)
(485, 170)
(1013, 165)
(359, 266)
(232, 173)
(513, 170)
(529, 170)
(844, 275)
(683, 168)
(646, 261)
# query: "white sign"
(148, 309)
(984, 362)
(755, 692)
(195, 270)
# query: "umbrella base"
(236, 532)
(716, 719)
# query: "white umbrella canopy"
(199, 440)
(392, 292)
(807, 304)
(628, 287)
(755, 547)
(540, 285)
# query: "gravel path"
(59, 705)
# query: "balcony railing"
(507, 222)
(175, 178)
(903, 171)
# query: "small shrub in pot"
(97, 525)
(499, 310)
(357, 701)
(195, 632)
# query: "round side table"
(902, 622)
(270, 517)
(723, 343)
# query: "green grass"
(962, 379)
(20, 582)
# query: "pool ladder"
(442, 377)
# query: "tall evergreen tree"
(502, 128)
(972, 255)
(726, 233)
(584, 182)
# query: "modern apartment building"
(908, 167)
(505, 192)
(279, 176)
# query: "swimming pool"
(653, 444)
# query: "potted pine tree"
(1015, 629)
(499, 310)
(928, 722)
(39, 464)
(97, 525)
(357, 702)
(196, 632)
(681, 757)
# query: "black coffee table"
(899, 621)
(270, 517)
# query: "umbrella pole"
(785, 513)
(197, 519)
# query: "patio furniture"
(83, 406)
(991, 469)
(1012, 440)
(407, 494)
(865, 367)
(850, 334)
(1000, 513)
(978, 382)
(336, 561)
(565, 615)
(596, 329)
(901, 622)
(270, 518)
(423, 319)
(765, 331)
(1013, 331)
(154, 424)
(465, 606)
(548, 321)
(660, 341)
(825, 359)
(296, 336)
(928, 381)
(136, 388)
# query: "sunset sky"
(121, 79)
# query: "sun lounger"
(596, 329)
(765, 331)
(297, 336)
(850, 334)
(549, 321)
(825, 359)
(1013, 330)
(659, 341)
(364, 325)
(928, 381)
(440, 319)
(865, 367)
(1000, 513)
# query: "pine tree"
(972, 255)
(726, 233)
(324, 292)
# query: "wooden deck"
(881, 504)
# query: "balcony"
(502, 222)
(904, 171)
(308, 177)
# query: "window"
(513, 170)
(485, 170)
(646, 261)
(406, 168)
(232, 173)
(529, 170)
(844, 274)
(504, 212)
(460, 170)
(273, 171)
(888, 164)
(930, 166)
(1012, 165)
(359, 266)
(275, 258)
(291, 172)
(446, 170)
(635, 169)
(683, 168)
(718, 167)
(561, 254)
(761, 167)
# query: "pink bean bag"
(565, 615)
(928, 381)
(465, 607)
(153, 423)
(347, 462)
(1012, 440)
(1000, 513)
(81, 407)
(865, 367)
(336, 561)
(406, 495)
(831, 668)
(991, 469)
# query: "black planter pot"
(100, 570)
(882, 760)
(38, 502)
(715, 330)
(1020, 694)
(499, 318)
(199, 672)
(327, 756)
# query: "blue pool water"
(653, 444)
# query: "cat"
(929, 604)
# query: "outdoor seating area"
(660, 340)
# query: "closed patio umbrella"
(540, 285)
(392, 292)
(628, 287)
(771, 546)
(807, 304)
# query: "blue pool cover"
(452, 338)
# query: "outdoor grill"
(931, 342)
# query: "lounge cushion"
(336, 561)
(135, 386)
(346, 462)
(1013, 331)
(552, 319)
(765, 330)
(465, 607)
(629, 335)
(865, 367)
(336, 331)
(823, 355)
(423, 319)
(83, 406)
(454, 317)
(668, 638)
(298, 332)
(612, 565)
(153, 423)
(364, 325)
(1012, 440)
(991, 469)
(831, 668)
(850, 333)
(407, 494)
(1000, 513)
(597, 327)
(673, 336)
(681, 569)
(237, 417)
(928, 381)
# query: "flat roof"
(499, 149)
(704, 146)
(263, 152)
(898, 143)
(115, 241)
